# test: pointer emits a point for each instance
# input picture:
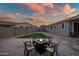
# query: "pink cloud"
(38, 19)
(7, 15)
(35, 7)
(40, 8)
(53, 12)
(49, 5)
(66, 9)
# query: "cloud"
(52, 9)
(66, 9)
(18, 14)
(7, 15)
(72, 15)
(55, 13)
(36, 7)
(49, 5)
(38, 19)
(40, 8)
(36, 14)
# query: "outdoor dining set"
(41, 46)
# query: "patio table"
(40, 45)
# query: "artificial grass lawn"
(35, 35)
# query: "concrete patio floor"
(14, 47)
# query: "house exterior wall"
(71, 28)
(24, 25)
(57, 28)
(27, 28)
(19, 31)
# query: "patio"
(15, 47)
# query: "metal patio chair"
(28, 47)
(53, 48)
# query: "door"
(76, 29)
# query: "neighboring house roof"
(10, 20)
(25, 24)
(7, 23)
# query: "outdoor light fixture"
(41, 39)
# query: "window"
(51, 27)
(21, 26)
(62, 25)
(27, 26)
(54, 26)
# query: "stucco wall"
(7, 31)
(15, 31)
(20, 31)
(26, 28)
(57, 29)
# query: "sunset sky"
(39, 11)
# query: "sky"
(39, 11)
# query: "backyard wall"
(7, 31)
(15, 31)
